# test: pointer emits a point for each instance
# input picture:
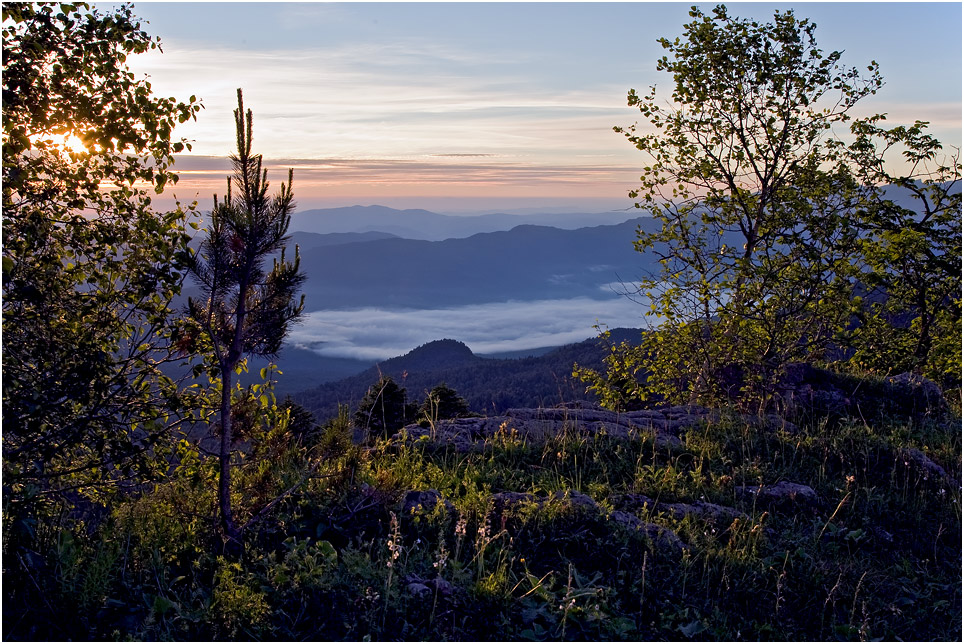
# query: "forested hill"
(431, 226)
(489, 385)
(525, 263)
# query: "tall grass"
(876, 556)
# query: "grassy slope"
(878, 556)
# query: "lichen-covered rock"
(808, 389)
(784, 495)
(661, 537)
(924, 394)
(419, 586)
(774, 423)
(576, 500)
(443, 587)
(710, 512)
(921, 461)
(503, 502)
(537, 425)
(686, 412)
(644, 416)
(417, 589)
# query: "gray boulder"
(781, 495)
(922, 462)
(661, 537)
(417, 589)
(419, 586)
(709, 512)
(537, 425)
(924, 395)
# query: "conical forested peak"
(434, 355)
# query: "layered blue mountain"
(431, 226)
(349, 270)
(377, 268)
(525, 263)
(317, 240)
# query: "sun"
(65, 142)
(74, 143)
(68, 142)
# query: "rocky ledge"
(535, 425)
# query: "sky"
(482, 107)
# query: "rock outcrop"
(783, 495)
(535, 425)
(661, 537)
(804, 388)
(720, 515)
(917, 458)
(923, 395)
(667, 425)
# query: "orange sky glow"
(482, 106)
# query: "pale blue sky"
(484, 106)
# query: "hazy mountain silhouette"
(525, 263)
(304, 369)
(431, 226)
(317, 240)
(378, 269)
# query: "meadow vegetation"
(355, 553)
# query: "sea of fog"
(379, 334)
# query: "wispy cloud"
(378, 334)
(383, 99)
(378, 92)
(456, 175)
(464, 155)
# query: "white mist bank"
(378, 334)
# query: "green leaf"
(327, 550)
(693, 629)
(163, 605)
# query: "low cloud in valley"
(378, 334)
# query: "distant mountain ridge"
(438, 354)
(307, 240)
(432, 226)
(526, 263)
(529, 262)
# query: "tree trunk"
(924, 341)
(233, 546)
